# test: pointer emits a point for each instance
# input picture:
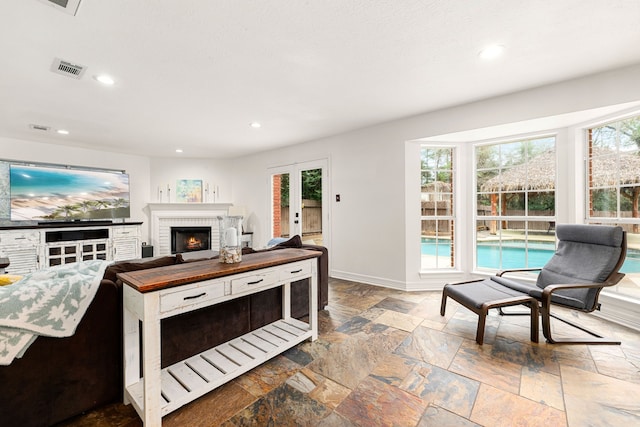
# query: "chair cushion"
(563, 298)
(585, 254)
(474, 294)
(512, 284)
(591, 234)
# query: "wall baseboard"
(369, 280)
(619, 309)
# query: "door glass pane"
(280, 205)
(311, 207)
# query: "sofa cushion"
(137, 264)
(204, 255)
(196, 256)
(294, 242)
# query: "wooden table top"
(154, 279)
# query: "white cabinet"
(30, 249)
(125, 240)
(21, 247)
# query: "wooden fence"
(311, 218)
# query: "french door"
(299, 201)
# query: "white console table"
(153, 294)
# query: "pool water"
(515, 255)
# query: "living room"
(373, 234)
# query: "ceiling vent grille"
(66, 6)
(68, 69)
(41, 128)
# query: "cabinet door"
(94, 249)
(61, 253)
(23, 259)
(126, 242)
(21, 247)
(126, 248)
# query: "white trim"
(369, 280)
(294, 170)
(619, 309)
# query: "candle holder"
(230, 239)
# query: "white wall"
(375, 229)
(136, 166)
(217, 174)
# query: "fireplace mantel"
(193, 207)
(163, 216)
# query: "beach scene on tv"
(54, 194)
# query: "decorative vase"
(230, 239)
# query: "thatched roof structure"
(539, 173)
(608, 171)
(437, 187)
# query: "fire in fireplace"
(187, 239)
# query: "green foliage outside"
(311, 186)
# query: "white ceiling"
(193, 74)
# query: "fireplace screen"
(187, 239)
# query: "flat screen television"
(43, 193)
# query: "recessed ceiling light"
(105, 79)
(255, 125)
(491, 52)
(63, 131)
(178, 150)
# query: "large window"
(515, 203)
(613, 188)
(437, 208)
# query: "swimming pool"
(516, 255)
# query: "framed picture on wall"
(189, 191)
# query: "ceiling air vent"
(68, 69)
(41, 128)
(66, 6)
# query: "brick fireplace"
(164, 216)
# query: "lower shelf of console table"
(194, 377)
(153, 294)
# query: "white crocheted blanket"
(48, 302)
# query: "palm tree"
(118, 203)
(86, 205)
(67, 210)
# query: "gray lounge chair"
(587, 259)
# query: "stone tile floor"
(387, 358)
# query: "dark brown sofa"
(59, 378)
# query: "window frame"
(452, 217)
(498, 217)
(616, 292)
